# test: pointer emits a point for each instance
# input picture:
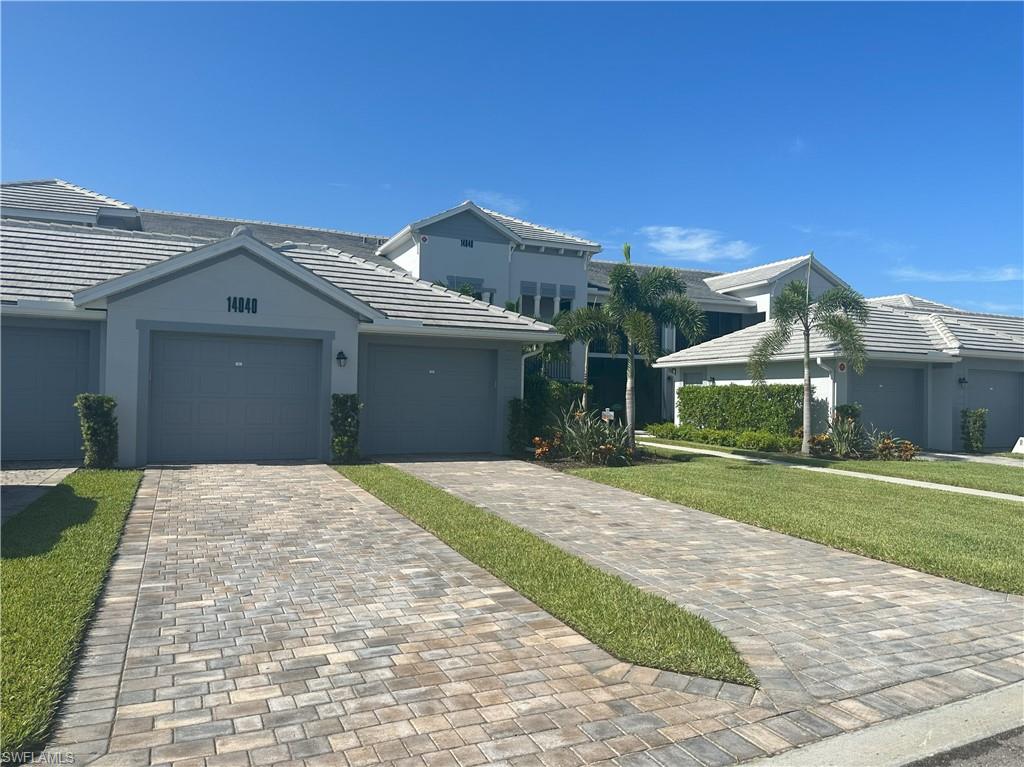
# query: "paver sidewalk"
(817, 625)
(22, 483)
(840, 472)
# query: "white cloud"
(996, 274)
(992, 307)
(692, 244)
(499, 201)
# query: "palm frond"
(841, 300)
(585, 324)
(791, 304)
(688, 318)
(658, 283)
(642, 331)
(771, 344)
(845, 333)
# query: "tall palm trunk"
(805, 445)
(586, 374)
(630, 414)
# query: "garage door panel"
(204, 406)
(428, 400)
(1001, 392)
(44, 368)
(892, 399)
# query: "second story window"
(466, 243)
(528, 298)
(566, 294)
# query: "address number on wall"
(241, 305)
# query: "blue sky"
(885, 137)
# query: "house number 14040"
(241, 305)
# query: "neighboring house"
(222, 340)
(926, 361)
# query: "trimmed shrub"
(750, 439)
(590, 440)
(973, 423)
(774, 408)
(544, 400)
(99, 430)
(345, 427)
(518, 430)
(850, 411)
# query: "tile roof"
(46, 261)
(889, 330)
(218, 227)
(57, 196)
(761, 273)
(530, 231)
(696, 287)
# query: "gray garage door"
(43, 370)
(229, 398)
(893, 399)
(1000, 392)
(428, 400)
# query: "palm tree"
(837, 314)
(639, 305)
(587, 324)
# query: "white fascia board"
(394, 241)
(98, 294)
(416, 328)
(32, 214)
(49, 309)
(931, 356)
(978, 354)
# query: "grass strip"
(54, 557)
(630, 624)
(973, 474)
(966, 538)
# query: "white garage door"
(1001, 393)
(232, 398)
(428, 400)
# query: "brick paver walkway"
(261, 615)
(23, 482)
(817, 625)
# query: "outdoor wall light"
(342, 359)
(962, 381)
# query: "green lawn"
(982, 476)
(631, 624)
(966, 538)
(55, 556)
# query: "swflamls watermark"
(29, 757)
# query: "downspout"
(832, 383)
(522, 368)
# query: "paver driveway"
(815, 624)
(270, 614)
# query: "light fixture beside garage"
(341, 358)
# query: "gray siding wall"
(465, 225)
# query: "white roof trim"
(98, 294)
(417, 328)
(468, 205)
(34, 307)
(930, 356)
(798, 262)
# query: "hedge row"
(773, 408)
(750, 439)
(544, 401)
